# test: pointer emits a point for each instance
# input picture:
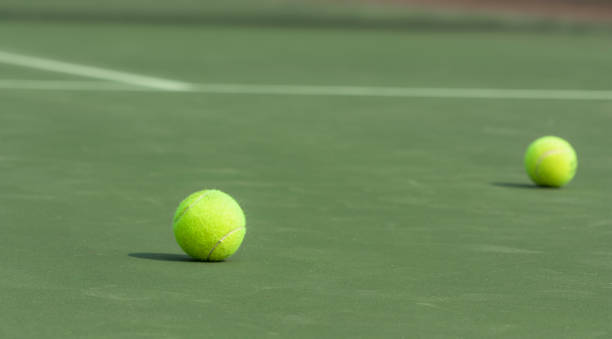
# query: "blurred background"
(394, 14)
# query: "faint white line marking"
(502, 249)
(221, 240)
(392, 92)
(91, 72)
(64, 85)
(428, 305)
(399, 92)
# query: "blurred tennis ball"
(209, 225)
(551, 161)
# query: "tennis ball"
(209, 225)
(551, 161)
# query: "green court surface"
(368, 216)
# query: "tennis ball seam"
(543, 157)
(221, 240)
(190, 205)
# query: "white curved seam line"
(188, 207)
(221, 240)
(544, 156)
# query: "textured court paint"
(368, 217)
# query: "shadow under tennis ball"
(521, 185)
(162, 256)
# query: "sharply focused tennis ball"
(551, 161)
(209, 225)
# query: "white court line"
(65, 85)
(152, 83)
(406, 92)
(392, 92)
(91, 72)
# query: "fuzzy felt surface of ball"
(551, 161)
(209, 225)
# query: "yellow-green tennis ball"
(209, 225)
(551, 161)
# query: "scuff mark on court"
(502, 249)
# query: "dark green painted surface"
(367, 217)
